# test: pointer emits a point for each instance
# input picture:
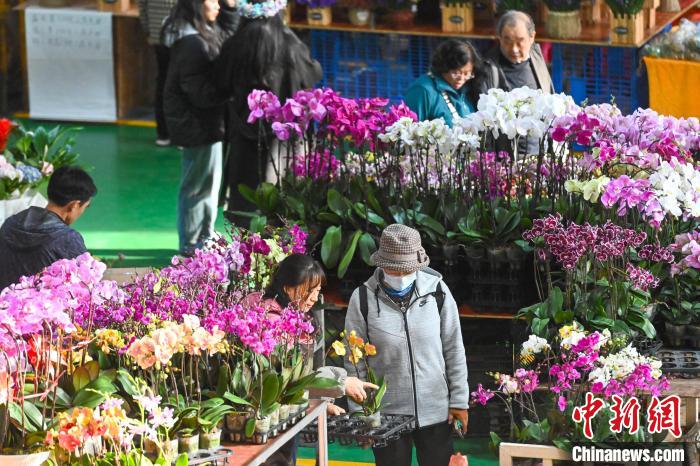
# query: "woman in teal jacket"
(452, 87)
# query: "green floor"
(134, 213)
(477, 450)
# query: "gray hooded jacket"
(419, 351)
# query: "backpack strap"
(364, 307)
(439, 298)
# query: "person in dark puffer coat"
(37, 237)
(194, 110)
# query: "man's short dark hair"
(511, 18)
(70, 183)
(453, 54)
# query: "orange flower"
(370, 350)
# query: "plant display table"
(252, 455)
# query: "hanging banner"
(70, 64)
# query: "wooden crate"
(319, 16)
(115, 6)
(627, 29)
(650, 7)
(547, 453)
(457, 17)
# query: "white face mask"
(397, 283)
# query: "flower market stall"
(163, 367)
(599, 223)
(577, 223)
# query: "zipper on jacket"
(404, 311)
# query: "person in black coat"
(263, 54)
(194, 110)
(35, 238)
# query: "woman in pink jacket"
(297, 282)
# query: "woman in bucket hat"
(407, 312)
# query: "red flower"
(5, 130)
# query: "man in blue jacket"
(407, 312)
(37, 237)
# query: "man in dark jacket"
(36, 238)
(519, 60)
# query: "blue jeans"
(198, 198)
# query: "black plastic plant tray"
(348, 430)
(679, 360)
(215, 457)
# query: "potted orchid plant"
(357, 350)
(562, 370)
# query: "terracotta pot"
(400, 19)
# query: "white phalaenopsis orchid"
(522, 112)
(677, 189)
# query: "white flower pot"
(34, 459)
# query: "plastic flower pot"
(475, 253)
(33, 459)
(497, 255)
(359, 16)
(563, 24)
(693, 329)
(675, 334)
(275, 417)
(262, 426)
(188, 444)
(169, 451)
(284, 413)
(210, 440)
(373, 420)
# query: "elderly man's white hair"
(511, 18)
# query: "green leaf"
(367, 247)
(337, 203)
(330, 246)
(563, 444)
(258, 223)
(495, 440)
(640, 322)
(93, 393)
(429, 222)
(349, 254)
(81, 378)
(270, 390)
(248, 194)
(127, 383)
(182, 460)
(297, 206)
(556, 300)
(250, 427)
(563, 317)
(328, 218)
(399, 214)
(236, 399)
(33, 415)
(223, 379)
(539, 327)
(93, 369)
